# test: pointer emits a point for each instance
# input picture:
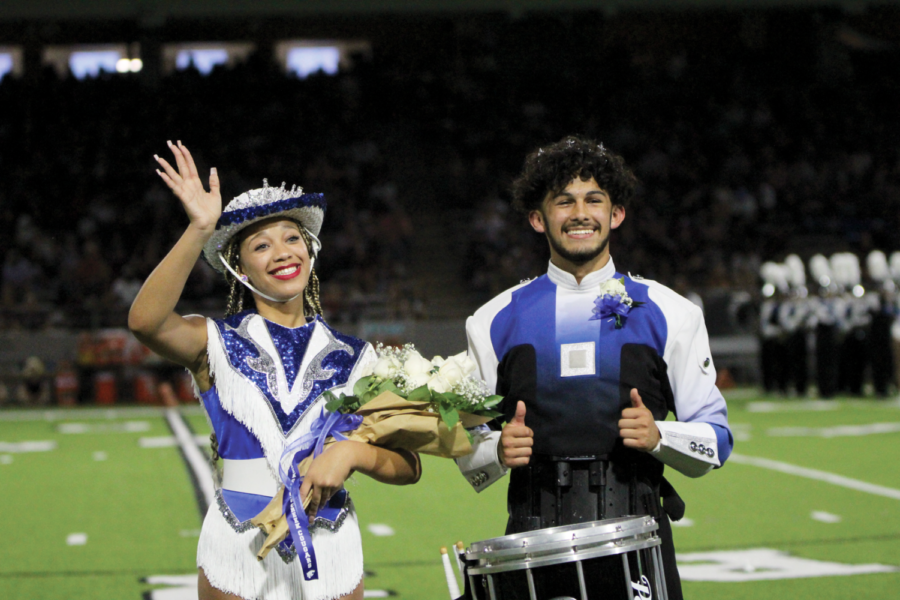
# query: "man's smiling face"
(577, 222)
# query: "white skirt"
(229, 561)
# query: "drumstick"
(460, 549)
(452, 584)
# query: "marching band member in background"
(853, 321)
(772, 335)
(794, 315)
(895, 327)
(882, 291)
(591, 361)
(827, 305)
(260, 373)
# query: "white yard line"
(824, 517)
(800, 405)
(380, 529)
(30, 446)
(836, 431)
(69, 414)
(767, 406)
(840, 480)
(192, 453)
(167, 441)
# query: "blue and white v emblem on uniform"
(577, 359)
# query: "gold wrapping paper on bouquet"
(393, 422)
(389, 421)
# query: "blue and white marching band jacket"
(586, 368)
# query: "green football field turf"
(137, 513)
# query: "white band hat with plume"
(877, 266)
(775, 274)
(820, 269)
(796, 272)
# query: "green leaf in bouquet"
(452, 398)
(449, 415)
(420, 394)
(489, 413)
(492, 401)
(388, 386)
(363, 385)
(448, 398)
(332, 402)
(367, 396)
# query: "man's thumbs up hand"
(516, 440)
(637, 428)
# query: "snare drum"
(610, 559)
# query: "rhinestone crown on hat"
(264, 195)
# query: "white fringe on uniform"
(228, 558)
(245, 402)
(229, 561)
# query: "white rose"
(438, 361)
(416, 365)
(417, 381)
(384, 368)
(612, 287)
(451, 372)
(466, 364)
(438, 384)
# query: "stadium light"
(302, 58)
(10, 61)
(90, 63)
(768, 290)
(303, 62)
(6, 64)
(205, 60)
(859, 291)
(129, 65)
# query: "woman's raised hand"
(203, 208)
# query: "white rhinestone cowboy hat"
(263, 203)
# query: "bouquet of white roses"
(404, 402)
(446, 385)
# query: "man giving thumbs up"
(595, 361)
(637, 428)
(516, 440)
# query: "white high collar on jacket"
(566, 280)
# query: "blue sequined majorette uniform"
(267, 390)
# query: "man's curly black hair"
(549, 169)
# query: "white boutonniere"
(614, 301)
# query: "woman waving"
(260, 372)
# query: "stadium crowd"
(748, 146)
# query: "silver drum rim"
(568, 543)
